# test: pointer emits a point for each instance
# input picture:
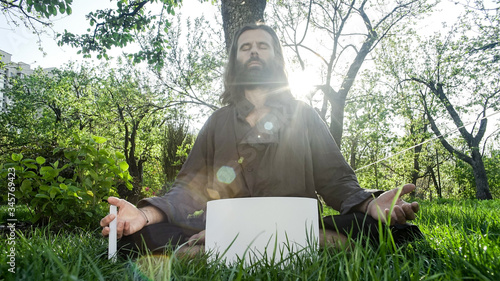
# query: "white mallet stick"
(112, 234)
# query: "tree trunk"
(482, 186)
(435, 182)
(354, 146)
(237, 13)
(338, 101)
(135, 167)
(476, 159)
(415, 174)
(439, 189)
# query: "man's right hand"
(130, 219)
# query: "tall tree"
(456, 77)
(346, 32)
(46, 108)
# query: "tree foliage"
(346, 32)
(34, 14)
(455, 78)
(117, 27)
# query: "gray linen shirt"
(289, 152)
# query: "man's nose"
(254, 51)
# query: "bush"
(53, 196)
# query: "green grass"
(462, 242)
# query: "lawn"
(462, 242)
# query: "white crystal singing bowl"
(260, 227)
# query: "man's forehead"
(255, 35)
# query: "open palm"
(380, 207)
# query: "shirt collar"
(278, 101)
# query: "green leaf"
(99, 140)
(87, 182)
(119, 155)
(93, 174)
(27, 161)
(103, 152)
(30, 175)
(40, 160)
(26, 186)
(60, 207)
(17, 157)
(129, 185)
(70, 154)
(53, 192)
(123, 165)
(46, 169)
(44, 196)
(31, 166)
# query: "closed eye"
(263, 46)
(245, 47)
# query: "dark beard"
(255, 76)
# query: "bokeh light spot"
(226, 174)
(268, 126)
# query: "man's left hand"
(380, 207)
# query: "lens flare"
(226, 174)
(268, 126)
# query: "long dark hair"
(234, 91)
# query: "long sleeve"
(334, 179)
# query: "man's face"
(254, 58)
(255, 48)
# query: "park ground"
(462, 242)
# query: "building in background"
(10, 69)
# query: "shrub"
(91, 173)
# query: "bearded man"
(262, 143)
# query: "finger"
(398, 215)
(105, 231)
(407, 188)
(387, 214)
(126, 228)
(193, 240)
(107, 220)
(198, 238)
(116, 201)
(119, 229)
(409, 213)
(415, 206)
